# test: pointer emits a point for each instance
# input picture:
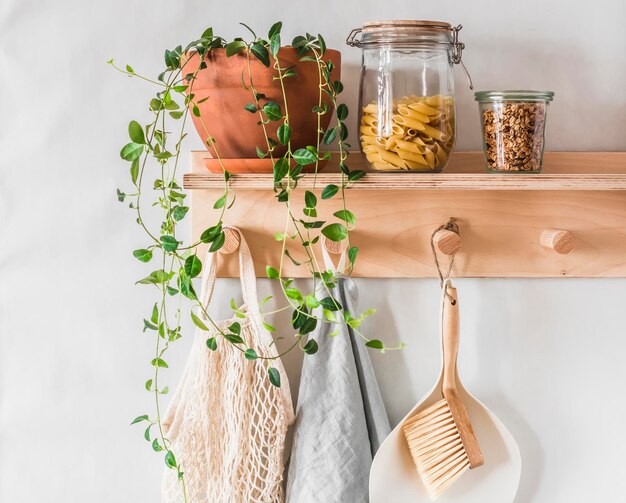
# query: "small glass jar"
(406, 100)
(513, 126)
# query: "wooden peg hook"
(560, 241)
(231, 242)
(334, 247)
(447, 241)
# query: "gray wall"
(545, 355)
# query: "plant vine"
(178, 263)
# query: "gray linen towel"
(340, 417)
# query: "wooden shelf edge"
(596, 171)
(411, 181)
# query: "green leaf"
(304, 156)
(261, 53)
(220, 202)
(198, 322)
(134, 170)
(293, 293)
(185, 285)
(330, 136)
(274, 376)
(375, 344)
(268, 327)
(196, 111)
(148, 386)
(260, 154)
(143, 255)
(170, 460)
(139, 419)
(211, 343)
(169, 243)
(149, 326)
(146, 434)
(284, 133)
(322, 44)
(281, 168)
(155, 445)
(233, 338)
(329, 191)
(311, 301)
(235, 328)
(275, 29)
(330, 304)
(210, 234)
(352, 253)
(131, 151)
(235, 47)
(155, 314)
(293, 260)
(346, 215)
(135, 131)
(250, 107)
(272, 272)
(356, 175)
(272, 111)
(179, 212)
(309, 199)
(275, 45)
(311, 347)
(129, 69)
(342, 112)
(158, 362)
(218, 242)
(193, 266)
(250, 354)
(335, 232)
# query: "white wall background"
(545, 355)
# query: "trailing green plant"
(154, 152)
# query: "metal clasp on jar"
(457, 53)
(352, 41)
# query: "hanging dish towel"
(340, 416)
(227, 422)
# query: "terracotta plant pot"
(234, 129)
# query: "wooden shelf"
(502, 217)
(604, 171)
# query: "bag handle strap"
(247, 275)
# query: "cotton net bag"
(226, 422)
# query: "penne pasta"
(408, 122)
(411, 156)
(412, 133)
(423, 108)
(412, 114)
(370, 120)
(435, 133)
(409, 146)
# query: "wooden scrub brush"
(441, 439)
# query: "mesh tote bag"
(226, 422)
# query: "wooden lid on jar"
(406, 32)
(406, 23)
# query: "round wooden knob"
(334, 247)
(231, 241)
(448, 242)
(562, 242)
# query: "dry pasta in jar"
(413, 133)
(406, 93)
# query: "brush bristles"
(436, 448)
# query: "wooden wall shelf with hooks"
(503, 218)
